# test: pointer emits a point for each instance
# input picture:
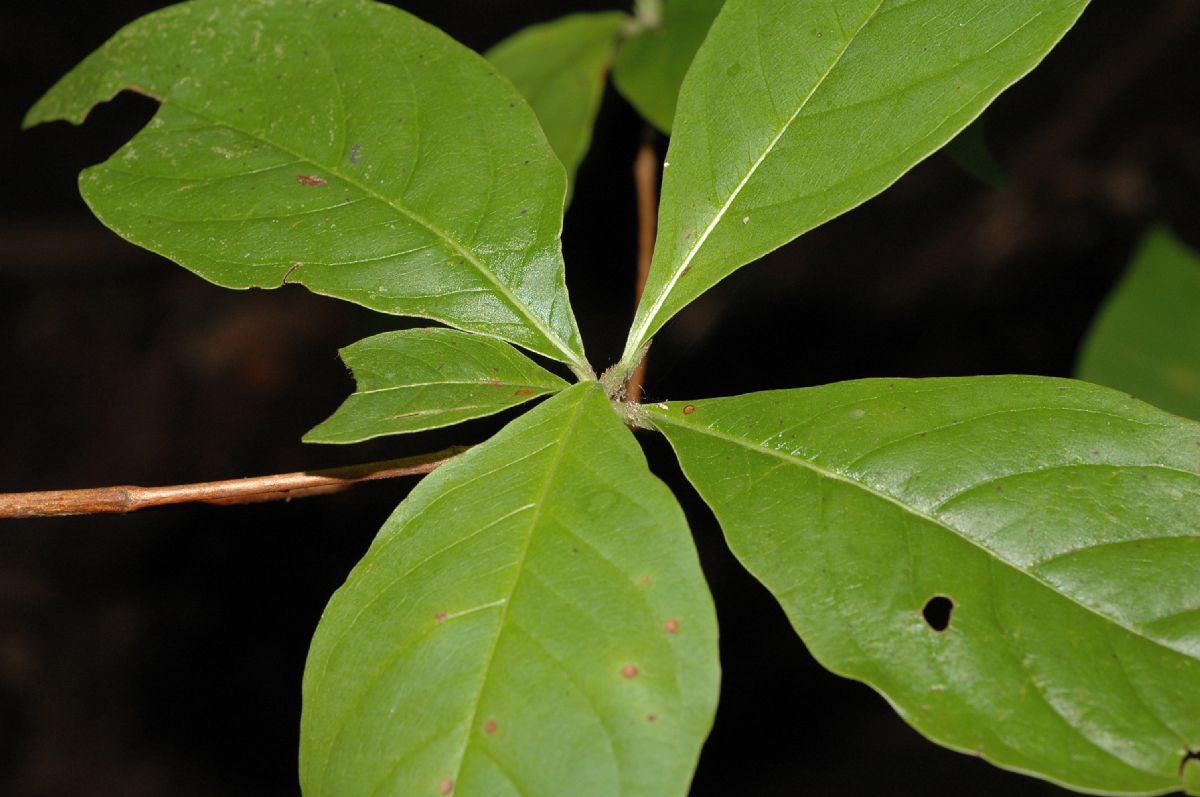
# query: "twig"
(278, 487)
(645, 175)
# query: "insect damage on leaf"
(937, 611)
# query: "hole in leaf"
(1193, 758)
(936, 612)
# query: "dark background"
(161, 653)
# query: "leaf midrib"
(834, 475)
(538, 505)
(471, 382)
(637, 335)
(505, 292)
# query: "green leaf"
(1056, 519)
(970, 152)
(532, 621)
(425, 378)
(796, 112)
(560, 68)
(340, 144)
(650, 66)
(1146, 338)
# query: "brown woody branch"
(645, 175)
(278, 487)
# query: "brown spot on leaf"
(651, 718)
(305, 179)
(671, 626)
(495, 382)
(688, 410)
(440, 617)
(489, 727)
(525, 391)
(686, 270)
(446, 787)
(644, 581)
(629, 671)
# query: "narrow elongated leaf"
(532, 621)
(340, 144)
(1146, 338)
(650, 66)
(1014, 562)
(560, 68)
(425, 378)
(793, 113)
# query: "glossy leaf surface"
(1146, 338)
(650, 66)
(317, 143)
(531, 621)
(1054, 520)
(560, 68)
(425, 378)
(793, 113)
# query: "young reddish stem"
(645, 175)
